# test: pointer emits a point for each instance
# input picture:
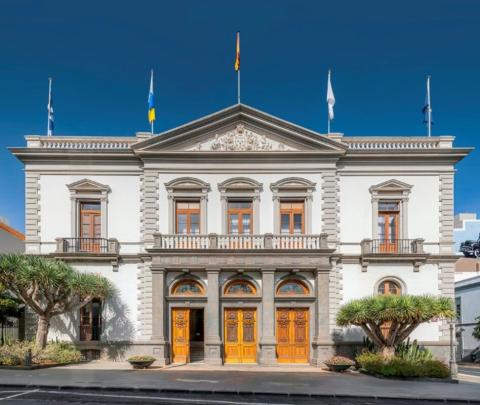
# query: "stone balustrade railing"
(242, 242)
(81, 143)
(392, 143)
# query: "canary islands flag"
(237, 53)
(151, 102)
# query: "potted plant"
(140, 362)
(339, 363)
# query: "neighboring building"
(467, 227)
(11, 240)
(236, 237)
(467, 300)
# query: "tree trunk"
(387, 351)
(42, 332)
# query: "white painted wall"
(214, 213)
(119, 312)
(123, 209)
(358, 284)
(356, 209)
(467, 292)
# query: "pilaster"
(330, 206)
(213, 342)
(268, 341)
(322, 341)
(149, 205)
(32, 212)
(160, 349)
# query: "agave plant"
(402, 313)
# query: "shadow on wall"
(118, 330)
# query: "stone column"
(213, 342)
(322, 341)
(268, 341)
(158, 340)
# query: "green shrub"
(60, 353)
(13, 353)
(373, 363)
(141, 358)
(435, 369)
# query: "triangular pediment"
(392, 185)
(240, 129)
(87, 185)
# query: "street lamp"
(453, 361)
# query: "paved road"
(473, 371)
(40, 396)
(231, 382)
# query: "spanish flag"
(237, 53)
(151, 102)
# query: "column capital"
(268, 270)
(213, 270)
(157, 269)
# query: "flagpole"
(238, 86)
(49, 131)
(328, 122)
(429, 108)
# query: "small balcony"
(267, 241)
(392, 246)
(87, 246)
(393, 251)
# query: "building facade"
(235, 238)
(467, 298)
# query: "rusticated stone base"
(268, 355)
(321, 352)
(213, 353)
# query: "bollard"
(28, 358)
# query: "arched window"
(389, 287)
(187, 287)
(292, 287)
(240, 287)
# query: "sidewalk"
(279, 380)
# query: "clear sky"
(100, 54)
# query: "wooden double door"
(292, 335)
(240, 335)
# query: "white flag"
(330, 98)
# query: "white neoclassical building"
(236, 237)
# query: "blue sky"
(100, 53)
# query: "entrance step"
(197, 354)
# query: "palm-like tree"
(402, 313)
(49, 287)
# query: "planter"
(338, 367)
(141, 364)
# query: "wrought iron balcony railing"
(249, 242)
(87, 245)
(392, 246)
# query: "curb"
(67, 388)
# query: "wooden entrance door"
(292, 335)
(90, 226)
(180, 335)
(388, 224)
(240, 335)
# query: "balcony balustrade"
(87, 245)
(392, 246)
(240, 242)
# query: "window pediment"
(390, 187)
(88, 186)
(187, 183)
(292, 184)
(240, 184)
